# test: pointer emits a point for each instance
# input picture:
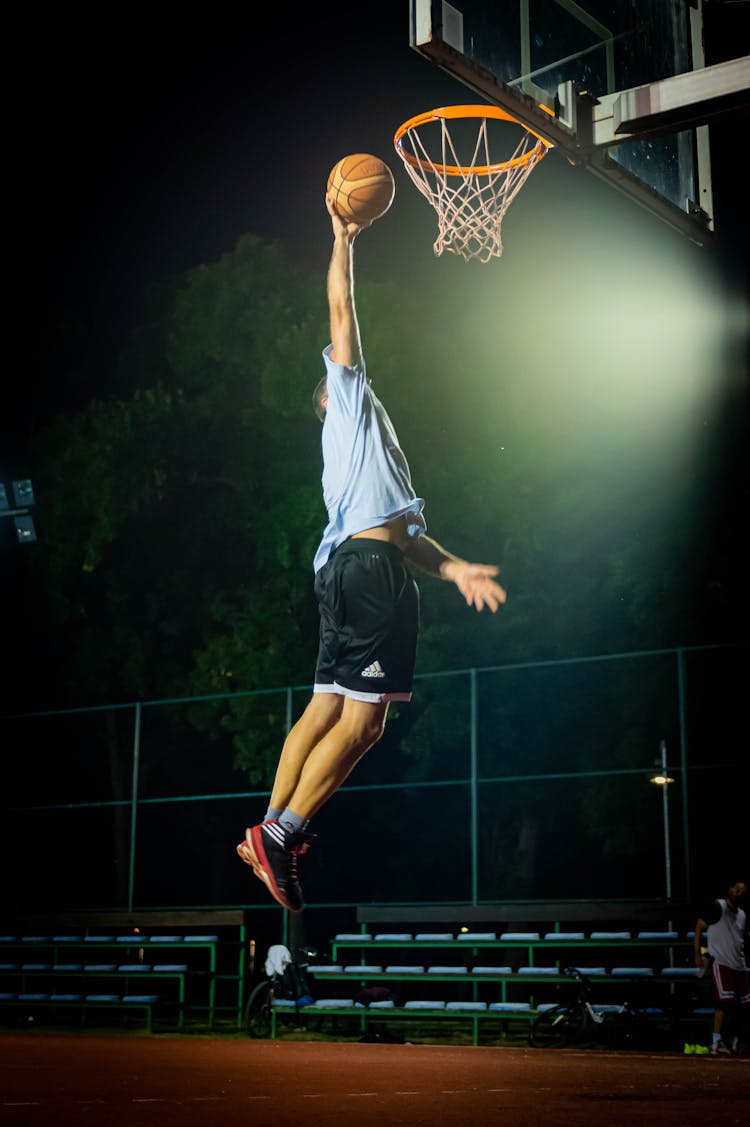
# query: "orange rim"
(446, 112)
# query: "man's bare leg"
(321, 750)
(322, 712)
(333, 758)
(272, 847)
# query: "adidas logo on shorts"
(374, 670)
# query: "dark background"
(141, 148)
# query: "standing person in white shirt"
(725, 927)
(368, 600)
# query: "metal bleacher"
(507, 975)
(107, 966)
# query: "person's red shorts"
(731, 985)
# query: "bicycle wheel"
(558, 1026)
(258, 1010)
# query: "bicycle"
(580, 1021)
(289, 984)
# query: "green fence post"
(473, 787)
(134, 802)
(683, 771)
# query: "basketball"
(361, 187)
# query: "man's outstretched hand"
(476, 583)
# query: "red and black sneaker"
(273, 851)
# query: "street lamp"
(662, 779)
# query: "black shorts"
(369, 622)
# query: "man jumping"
(367, 598)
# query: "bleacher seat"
(452, 969)
(424, 1005)
(433, 936)
(658, 935)
(53, 966)
(565, 936)
(352, 936)
(477, 937)
(396, 969)
(519, 936)
(611, 935)
(473, 1006)
(492, 970)
(632, 972)
(510, 1007)
(363, 970)
(538, 970)
(393, 937)
(330, 968)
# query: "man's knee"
(365, 723)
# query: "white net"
(469, 197)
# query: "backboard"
(620, 86)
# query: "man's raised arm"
(345, 338)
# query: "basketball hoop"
(470, 198)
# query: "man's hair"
(318, 396)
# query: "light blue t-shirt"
(366, 479)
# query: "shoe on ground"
(701, 1050)
(719, 1049)
(273, 853)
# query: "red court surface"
(62, 1080)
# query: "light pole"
(662, 779)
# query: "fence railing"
(518, 781)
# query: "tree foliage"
(178, 520)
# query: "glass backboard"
(618, 85)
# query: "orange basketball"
(362, 188)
